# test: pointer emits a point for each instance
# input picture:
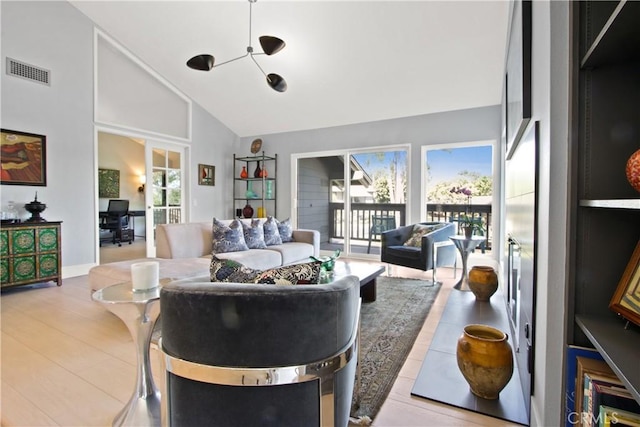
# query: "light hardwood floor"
(66, 361)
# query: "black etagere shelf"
(264, 187)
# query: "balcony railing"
(480, 214)
(360, 220)
(362, 214)
(166, 216)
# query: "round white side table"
(465, 245)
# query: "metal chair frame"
(436, 246)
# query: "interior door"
(165, 189)
(377, 188)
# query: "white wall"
(550, 84)
(56, 36)
(215, 146)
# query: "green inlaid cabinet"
(30, 253)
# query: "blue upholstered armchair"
(434, 245)
(259, 355)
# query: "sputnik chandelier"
(270, 45)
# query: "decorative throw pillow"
(296, 274)
(226, 270)
(271, 233)
(228, 238)
(254, 234)
(286, 230)
(420, 230)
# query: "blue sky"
(446, 164)
(371, 163)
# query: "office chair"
(117, 220)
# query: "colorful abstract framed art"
(23, 157)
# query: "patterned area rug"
(389, 326)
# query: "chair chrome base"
(140, 411)
(436, 246)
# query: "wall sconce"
(143, 181)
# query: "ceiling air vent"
(29, 72)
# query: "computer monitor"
(117, 205)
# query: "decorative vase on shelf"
(263, 172)
(483, 282)
(269, 190)
(485, 359)
(243, 173)
(258, 171)
(247, 211)
(633, 170)
(249, 193)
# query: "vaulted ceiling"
(345, 61)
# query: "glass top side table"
(139, 311)
(465, 245)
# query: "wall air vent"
(28, 72)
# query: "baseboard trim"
(76, 270)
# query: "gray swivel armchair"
(259, 355)
(436, 249)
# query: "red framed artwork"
(23, 158)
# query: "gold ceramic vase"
(485, 359)
(483, 282)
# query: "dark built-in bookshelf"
(606, 209)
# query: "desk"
(465, 245)
(122, 233)
(131, 214)
(139, 311)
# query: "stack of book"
(601, 398)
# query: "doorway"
(155, 193)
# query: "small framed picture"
(23, 157)
(626, 300)
(206, 175)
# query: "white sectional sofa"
(184, 250)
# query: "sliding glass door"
(351, 197)
(378, 184)
(320, 191)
